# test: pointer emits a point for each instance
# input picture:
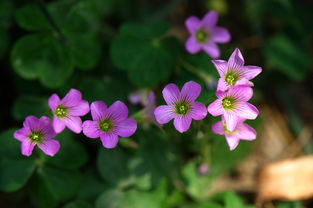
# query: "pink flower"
(234, 73)
(233, 106)
(205, 34)
(242, 132)
(37, 132)
(181, 106)
(109, 123)
(67, 111)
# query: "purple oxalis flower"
(109, 123)
(234, 73)
(37, 132)
(242, 132)
(67, 111)
(233, 105)
(205, 34)
(181, 106)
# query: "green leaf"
(113, 165)
(15, 168)
(131, 199)
(9, 146)
(148, 30)
(290, 204)
(197, 186)
(148, 61)
(44, 57)
(61, 184)
(78, 204)
(30, 17)
(205, 205)
(101, 89)
(157, 158)
(85, 50)
(80, 28)
(110, 199)
(232, 200)
(14, 174)
(40, 195)
(222, 158)
(92, 186)
(289, 57)
(72, 154)
(30, 105)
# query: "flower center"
(106, 125)
(231, 78)
(61, 111)
(181, 108)
(202, 36)
(36, 136)
(226, 130)
(228, 103)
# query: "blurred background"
(124, 50)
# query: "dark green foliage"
(109, 49)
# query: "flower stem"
(208, 79)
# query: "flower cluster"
(108, 124)
(233, 92)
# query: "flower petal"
(244, 82)
(222, 85)
(232, 141)
(245, 132)
(220, 35)
(163, 114)
(192, 24)
(246, 110)
(49, 146)
(221, 67)
(215, 108)
(217, 128)
(151, 101)
(80, 109)
(53, 101)
(31, 122)
(46, 127)
(212, 49)
(91, 129)
(126, 128)
(98, 110)
(210, 19)
(109, 140)
(27, 147)
(171, 94)
(198, 111)
(192, 46)
(72, 98)
(241, 93)
(236, 61)
(118, 111)
(190, 91)
(22, 134)
(251, 71)
(58, 125)
(182, 123)
(231, 120)
(73, 123)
